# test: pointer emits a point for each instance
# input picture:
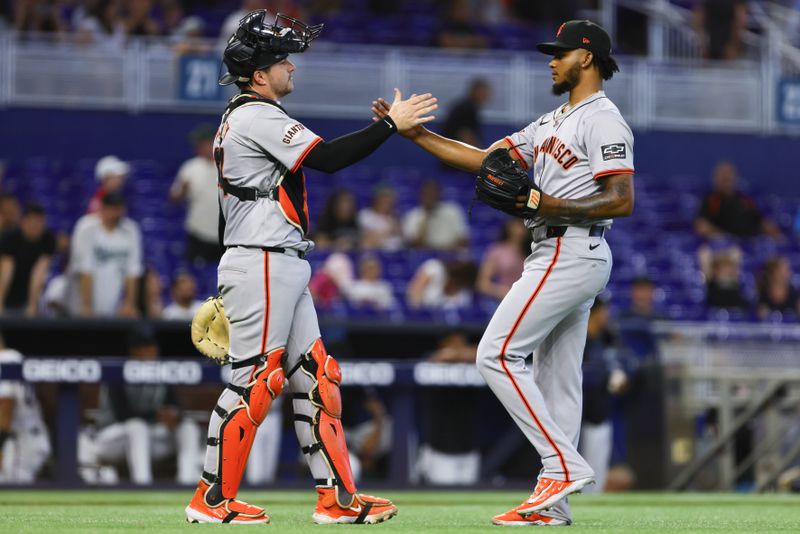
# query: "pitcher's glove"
(502, 181)
(210, 330)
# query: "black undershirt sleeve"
(331, 156)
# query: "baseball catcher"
(268, 327)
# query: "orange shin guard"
(238, 428)
(326, 425)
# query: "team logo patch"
(615, 151)
(290, 131)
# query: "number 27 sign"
(198, 78)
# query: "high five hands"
(407, 114)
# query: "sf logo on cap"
(559, 29)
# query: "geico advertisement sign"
(367, 374)
(61, 370)
(155, 372)
(447, 374)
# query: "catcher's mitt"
(210, 330)
(502, 180)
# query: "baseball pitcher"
(263, 276)
(581, 159)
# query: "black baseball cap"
(579, 34)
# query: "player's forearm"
(36, 285)
(131, 292)
(454, 153)
(6, 413)
(85, 290)
(6, 270)
(332, 156)
(616, 200)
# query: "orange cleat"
(227, 511)
(549, 491)
(365, 509)
(513, 519)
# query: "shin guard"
(326, 424)
(238, 427)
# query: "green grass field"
(420, 512)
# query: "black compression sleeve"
(331, 156)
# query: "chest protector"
(290, 189)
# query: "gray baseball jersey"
(259, 146)
(570, 151)
(547, 310)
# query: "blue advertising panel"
(789, 101)
(197, 80)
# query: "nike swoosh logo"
(544, 122)
(594, 247)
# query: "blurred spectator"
(463, 121)
(10, 212)
(140, 423)
(440, 285)
(139, 20)
(105, 262)
(38, 16)
(6, 15)
(502, 263)
(337, 228)
(328, 283)
(370, 290)
(25, 254)
(24, 441)
(231, 23)
(380, 8)
(112, 173)
(459, 29)
(367, 429)
(636, 323)
(196, 183)
(435, 224)
(775, 290)
(719, 25)
(184, 298)
(100, 23)
(451, 453)
(149, 302)
(603, 377)
(185, 33)
(723, 281)
(551, 13)
(726, 210)
(379, 224)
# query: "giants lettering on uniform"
(556, 148)
(291, 132)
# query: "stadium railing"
(339, 80)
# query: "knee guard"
(238, 427)
(326, 424)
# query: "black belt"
(596, 230)
(300, 253)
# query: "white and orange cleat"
(365, 509)
(549, 491)
(512, 518)
(227, 511)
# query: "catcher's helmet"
(257, 44)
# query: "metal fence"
(340, 81)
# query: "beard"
(571, 79)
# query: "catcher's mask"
(258, 44)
